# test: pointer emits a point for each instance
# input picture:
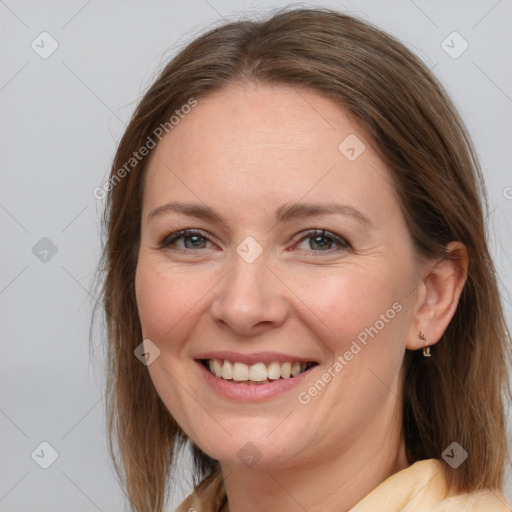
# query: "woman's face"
(258, 289)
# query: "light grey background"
(61, 118)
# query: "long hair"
(456, 395)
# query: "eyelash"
(310, 233)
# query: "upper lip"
(255, 357)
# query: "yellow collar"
(419, 488)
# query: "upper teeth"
(255, 372)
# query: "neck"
(332, 483)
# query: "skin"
(245, 151)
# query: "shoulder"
(422, 487)
(481, 501)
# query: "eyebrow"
(285, 213)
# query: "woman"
(298, 281)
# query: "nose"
(249, 300)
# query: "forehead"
(265, 145)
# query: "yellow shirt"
(419, 488)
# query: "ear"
(438, 296)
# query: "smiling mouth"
(258, 373)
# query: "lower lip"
(251, 392)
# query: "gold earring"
(426, 348)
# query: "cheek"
(361, 319)
(166, 299)
(349, 301)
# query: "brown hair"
(457, 394)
